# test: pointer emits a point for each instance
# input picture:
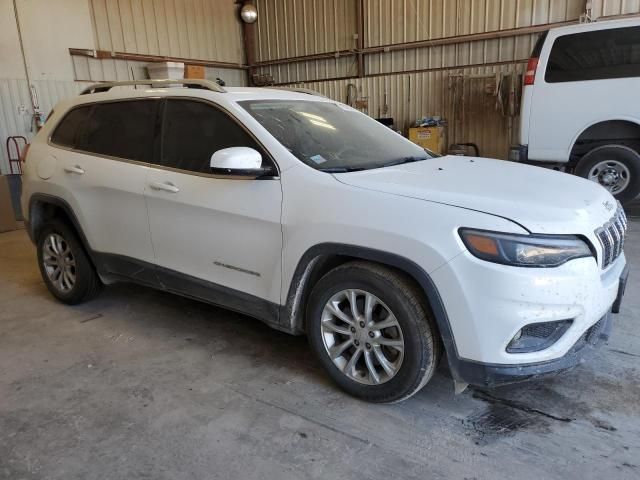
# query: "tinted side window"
(598, 55)
(121, 129)
(68, 130)
(193, 131)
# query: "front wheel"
(372, 333)
(616, 168)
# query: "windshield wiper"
(403, 160)
(341, 169)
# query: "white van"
(581, 104)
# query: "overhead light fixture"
(249, 13)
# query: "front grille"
(611, 236)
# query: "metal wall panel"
(16, 114)
(604, 8)
(397, 21)
(290, 28)
(199, 29)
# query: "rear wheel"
(615, 167)
(64, 265)
(371, 332)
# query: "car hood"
(539, 199)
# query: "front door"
(214, 237)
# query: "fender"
(62, 204)
(292, 314)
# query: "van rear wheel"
(616, 168)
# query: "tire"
(413, 364)
(58, 245)
(617, 159)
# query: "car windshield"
(333, 137)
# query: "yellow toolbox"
(431, 138)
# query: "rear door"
(214, 236)
(583, 78)
(103, 154)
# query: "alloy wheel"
(59, 262)
(362, 337)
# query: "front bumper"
(492, 375)
(488, 304)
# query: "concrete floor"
(142, 384)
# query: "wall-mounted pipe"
(140, 57)
(360, 39)
(404, 72)
(249, 43)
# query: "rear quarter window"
(67, 133)
(597, 55)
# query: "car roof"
(601, 25)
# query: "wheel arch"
(43, 207)
(621, 131)
(321, 258)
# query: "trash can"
(10, 211)
(15, 190)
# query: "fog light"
(538, 336)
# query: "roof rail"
(308, 91)
(189, 83)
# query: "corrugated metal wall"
(197, 29)
(289, 28)
(16, 115)
(200, 29)
(604, 8)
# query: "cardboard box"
(194, 71)
(163, 70)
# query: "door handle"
(77, 169)
(167, 187)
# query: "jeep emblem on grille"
(608, 205)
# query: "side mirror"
(238, 162)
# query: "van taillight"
(23, 153)
(530, 76)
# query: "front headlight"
(524, 250)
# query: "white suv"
(580, 109)
(314, 218)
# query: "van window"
(598, 55)
(120, 129)
(67, 132)
(193, 131)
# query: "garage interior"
(144, 384)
